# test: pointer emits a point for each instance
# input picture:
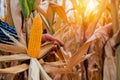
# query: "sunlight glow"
(90, 6)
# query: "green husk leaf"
(31, 4)
(25, 8)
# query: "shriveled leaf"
(118, 62)
(79, 55)
(33, 70)
(50, 12)
(8, 58)
(74, 3)
(60, 11)
(41, 12)
(59, 54)
(15, 69)
(8, 17)
(62, 54)
(114, 13)
(46, 24)
(57, 23)
(12, 48)
(95, 62)
(55, 64)
(43, 73)
(36, 71)
(45, 48)
(53, 69)
(101, 32)
(64, 4)
(109, 64)
(17, 19)
(92, 26)
(115, 38)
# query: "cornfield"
(88, 29)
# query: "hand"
(48, 37)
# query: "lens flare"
(91, 6)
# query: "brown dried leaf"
(14, 57)
(92, 26)
(8, 16)
(39, 10)
(101, 32)
(60, 11)
(51, 15)
(109, 64)
(95, 62)
(15, 69)
(115, 38)
(55, 64)
(45, 48)
(17, 19)
(53, 69)
(62, 54)
(79, 55)
(12, 48)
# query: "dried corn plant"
(89, 30)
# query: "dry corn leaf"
(114, 12)
(95, 62)
(79, 55)
(15, 69)
(34, 44)
(100, 36)
(57, 23)
(17, 19)
(45, 48)
(50, 18)
(16, 15)
(101, 32)
(109, 64)
(36, 71)
(8, 58)
(92, 26)
(55, 64)
(46, 24)
(60, 11)
(44, 17)
(115, 38)
(33, 70)
(118, 62)
(53, 69)
(12, 48)
(64, 4)
(39, 10)
(8, 17)
(62, 54)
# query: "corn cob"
(9, 29)
(35, 37)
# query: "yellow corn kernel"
(35, 37)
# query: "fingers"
(48, 37)
(52, 52)
(58, 42)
